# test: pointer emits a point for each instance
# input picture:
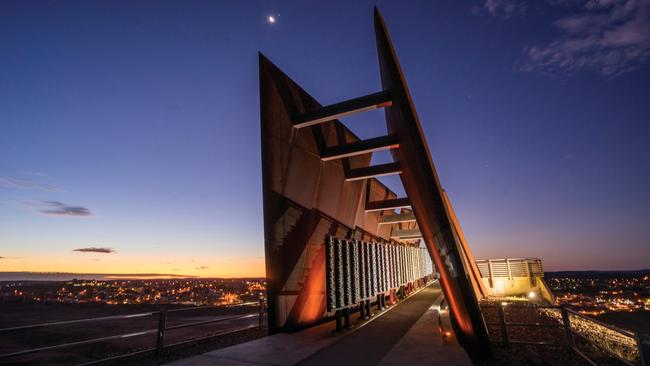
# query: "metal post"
(368, 309)
(338, 321)
(567, 326)
(260, 309)
(504, 329)
(490, 273)
(162, 324)
(643, 358)
(346, 317)
(362, 310)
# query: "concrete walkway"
(407, 333)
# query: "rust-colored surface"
(424, 190)
(468, 258)
(306, 198)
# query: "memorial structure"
(321, 192)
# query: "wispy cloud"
(95, 250)
(202, 267)
(609, 37)
(15, 183)
(504, 8)
(57, 208)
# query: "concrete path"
(407, 333)
(423, 344)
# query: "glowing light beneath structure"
(531, 295)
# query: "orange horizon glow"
(136, 265)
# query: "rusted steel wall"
(306, 199)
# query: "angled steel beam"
(360, 147)
(373, 171)
(475, 274)
(397, 218)
(335, 111)
(406, 234)
(389, 204)
(423, 187)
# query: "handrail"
(515, 305)
(214, 306)
(117, 317)
(211, 321)
(160, 331)
(566, 323)
(609, 326)
(78, 343)
(152, 350)
(607, 352)
(113, 317)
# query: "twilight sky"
(129, 130)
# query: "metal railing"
(624, 345)
(160, 331)
(510, 267)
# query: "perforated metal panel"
(357, 270)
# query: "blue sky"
(134, 125)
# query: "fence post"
(337, 314)
(260, 309)
(162, 324)
(567, 326)
(502, 321)
(346, 318)
(643, 360)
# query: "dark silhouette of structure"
(318, 181)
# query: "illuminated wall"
(306, 199)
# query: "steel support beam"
(423, 187)
(373, 171)
(406, 234)
(397, 218)
(390, 204)
(360, 147)
(338, 110)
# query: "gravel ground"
(515, 354)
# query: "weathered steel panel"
(306, 199)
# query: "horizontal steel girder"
(373, 171)
(406, 234)
(390, 204)
(397, 218)
(338, 110)
(360, 147)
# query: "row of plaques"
(357, 271)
